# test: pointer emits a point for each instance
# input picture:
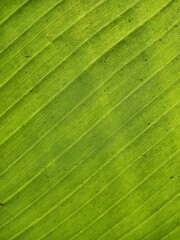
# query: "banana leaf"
(89, 119)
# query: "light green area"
(89, 119)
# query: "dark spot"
(105, 58)
(160, 40)
(140, 79)
(25, 72)
(145, 60)
(129, 20)
(31, 91)
(144, 155)
(65, 169)
(171, 177)
(148, 124)
(27, 56)
(1, 204)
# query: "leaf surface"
(89, 119)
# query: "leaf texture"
(89, 119)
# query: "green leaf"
(89, 119)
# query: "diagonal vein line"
(116, 203)
(48, 43)
(5, 4)
(65, 199)
(72, 111)
(157, 227)
(67, 115)
(102, 144)
(147, 219)
(50, 9)
(81, 137)
(14, 13)
(124, 197)
(130, 142)
(90, 129)
(128, 194)
(113, 74)
(69, 56)
(136, 209)
(169, 233)
(34, 114)
(59, 35)
(92, 154)
(92, 62)
(95, 90)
